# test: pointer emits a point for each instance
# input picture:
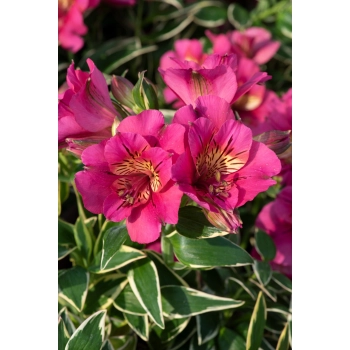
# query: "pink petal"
(255, 176)
(167, 203)
(221, 43)
(185, 115)
(214, 108)
(93, 156)
(124, 147)
(143, 224)
(172, 139)
(183, 171)
(148, 124)
(94, 187)
(265, 53)
(113, 208)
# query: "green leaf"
(65, 233)
(63, 335)
(265, 246)
(102, 292)
(193, 224)
(63, 193)
(263, 271)
(111, 243)
(207, 346)
(67, 321)
(139, 324)
(283, 341)
(282, 281)
(107, 345)
(184, 336)
(208, 325)
(238, 16)
(73, 284)
(137, 92)
(211, 16)
(124, 256)
(257, 324)
(124, 342)
(90, 334)
(172, 328)
(179, 302)
(127, 302)
(83, 240)
(244, 286)
(144, 281)
(64, 251)
(230, 340)
(202, 253)
(166, 275)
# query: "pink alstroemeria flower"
(215, 76)
(71, 23)
(129, 176)
(254, 43)
(276, 220)
(85, 109)
(184, 50)
(223, 167)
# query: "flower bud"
(145, 94)
(227, 220)
(122, 91)
(278, 141)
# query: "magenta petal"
(236, 139)
(221, 44)
(214, 108)
(68, 127)
(168, 202)
(196, 196)
(92, 105)
(122, 147)
(255, 177)
(200, 135)
(185, 115)
(172, 139)
(76, 78)
(265, 53)
(147, 123)
(113, 208)
(143, 224)
(93, 156)
(94, 187)
(256, 78)
(183, 171)
(161, 163)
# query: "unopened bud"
(122, 91)
(278, 141)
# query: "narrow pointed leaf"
(64, 251)
(65, 233)
(244, 286)
(230, 340)
(166, 275)
(67, 321)
(127, 302)
(124, 342)
(103, 292)
(257, 324)
(282, 281)
(265, 246)
(139, 324)
(263, 271)
(206, 346)
(283, 341)
(111, 243)
(144, 281)
(184, 336)
(73, 285)
(107, 345)
(83, 240)
(63, 335)
(90, 334)
(179, 302)
(217, 251)
(124, 256)
(208, 325)
(193, 224)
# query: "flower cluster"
(137, 167)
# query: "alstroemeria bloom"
(71, 23)
(276, 220)
(254, 43)
(184, 50)
(215, 76)
(223, 167)
(85, 110)
(129, 177)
